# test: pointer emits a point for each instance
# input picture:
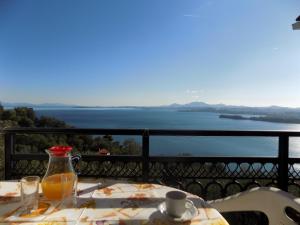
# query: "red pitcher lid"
(60, 150)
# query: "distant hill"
(194, 105)
(232, 109)
(189, 107)
(277, 114)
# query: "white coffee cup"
(176, 203)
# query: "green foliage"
(108, 137)
(1, 111)
(3, 124)
(130, 147)
(25, 122)
(50, 122)
(9, 115)
(37, 143)
(1, 157)
(24, 112)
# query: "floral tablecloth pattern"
(102, 202)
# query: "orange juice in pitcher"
(59, 182)
(57, 186)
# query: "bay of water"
(172, 119)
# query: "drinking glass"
(30, 192)
(68, 191)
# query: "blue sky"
(138, 52)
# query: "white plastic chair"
(280, 207)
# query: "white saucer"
(190, 213)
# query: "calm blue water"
(171, 119)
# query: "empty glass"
(30, 192)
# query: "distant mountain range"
(194, 105)
(232, 109)
(277, 114)
(189, 107)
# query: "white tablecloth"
(100, 202)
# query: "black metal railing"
(209, 177)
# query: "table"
(102, 202)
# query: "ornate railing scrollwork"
(208, 177)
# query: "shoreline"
(266, 118)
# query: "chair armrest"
(279, 206)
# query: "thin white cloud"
(191, 15)
(193, 95)
(188, 91)
(275, 48)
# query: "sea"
(173, 119)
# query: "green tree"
(3, 124)
(25, 122)
(9, 115)
(49, 122)
(131, 147)
(25, 112)
(1, 110)
(108, 137)
(33, 143)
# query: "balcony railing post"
(283, 164)
(145, 163)
(9, 144)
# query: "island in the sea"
(266, 118)
(275, 114)
(233, 117)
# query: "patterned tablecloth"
(102, 202)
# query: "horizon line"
(56, 104)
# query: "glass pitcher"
(60, 180)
